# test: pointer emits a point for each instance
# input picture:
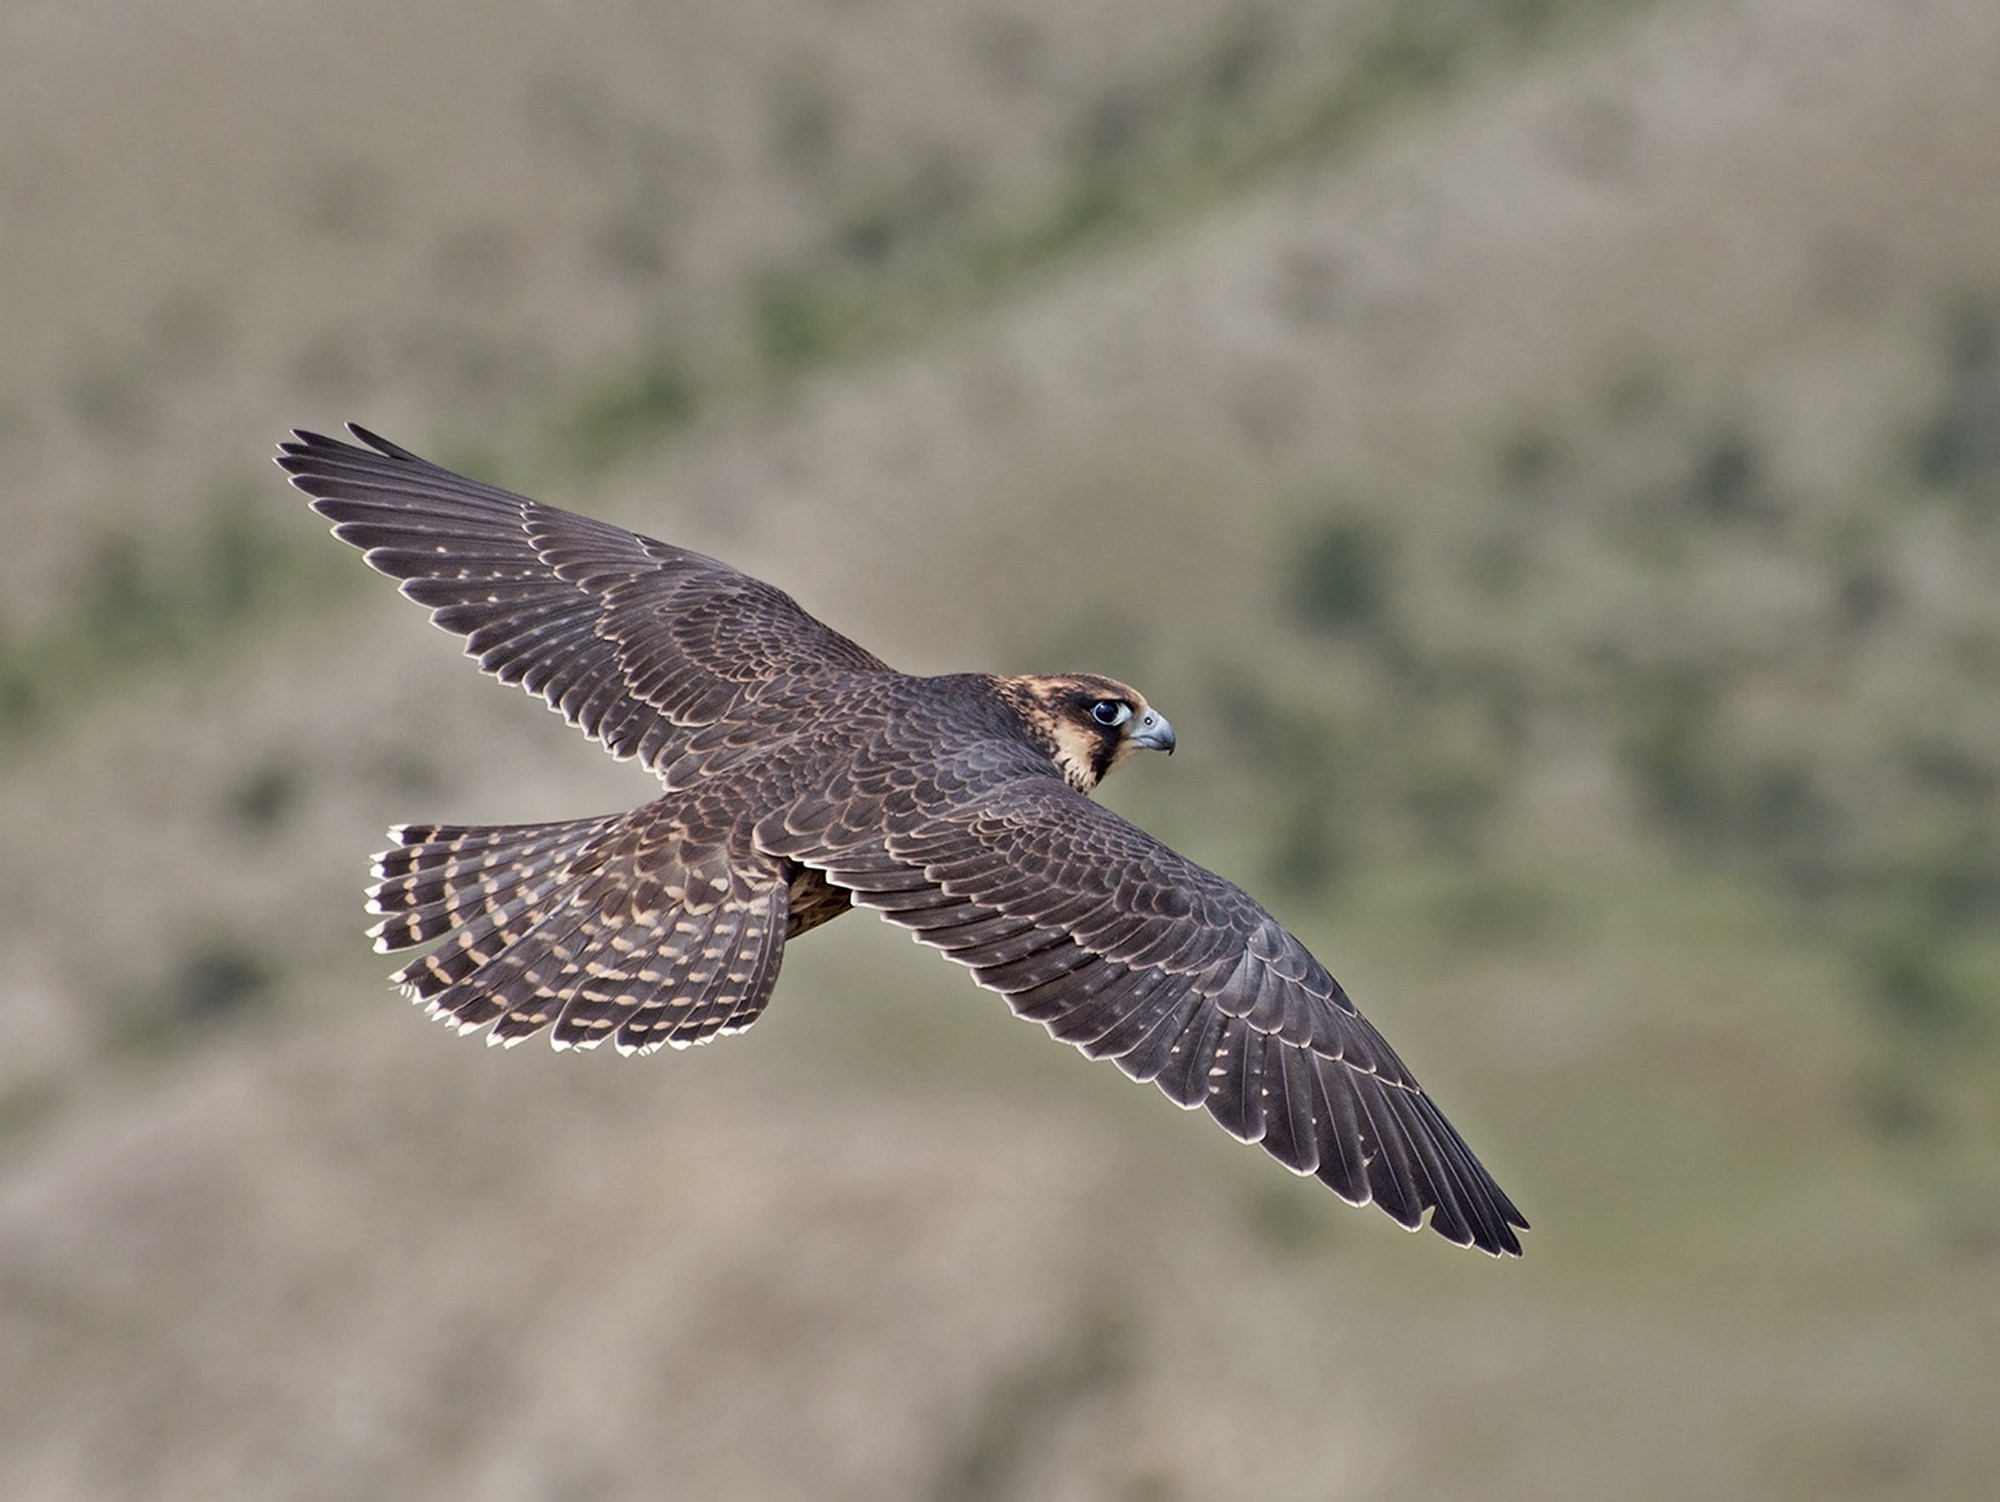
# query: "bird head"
(1086, 723)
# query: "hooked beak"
(1153, 732)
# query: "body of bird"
(803, 776)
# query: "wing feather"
(1116, 944)
(1288, 1111)
(633, 640)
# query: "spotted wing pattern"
(621, 928)
(1116, 944)
(634, 641)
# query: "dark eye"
(1111, 711)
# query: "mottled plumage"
(803, 775)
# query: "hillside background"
(1543, 455)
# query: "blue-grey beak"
(1153, 732)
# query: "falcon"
(804, 776)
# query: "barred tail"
(571, 924)
(442, 877)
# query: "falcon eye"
(1111, 711)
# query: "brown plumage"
(804, 775)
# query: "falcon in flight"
(803, 776)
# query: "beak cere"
(1153, 732)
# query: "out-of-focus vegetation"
(1543, 456)
(1148, 154)
(138, 606)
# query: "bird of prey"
(803, 776)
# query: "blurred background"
(1543, 455)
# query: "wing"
(1118, 945)
(634, 641)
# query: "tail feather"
(443, 877)
(571, 925)
(763, 976)
(524, 988)
(710, 967)
(731, 975)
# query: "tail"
(594, 926)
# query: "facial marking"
(1084, 722)
(1081, 755)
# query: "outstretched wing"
(635, 641)
(1120, 946)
